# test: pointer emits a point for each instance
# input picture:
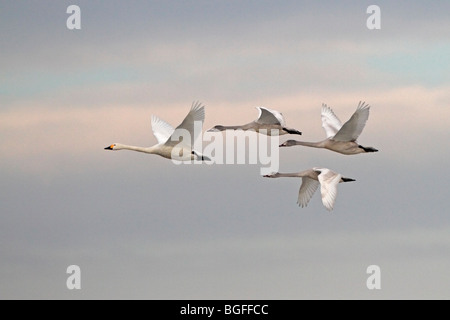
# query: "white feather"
(269, 116)
(351, 130)
(330, 122)
(307, 190)
(161, 129)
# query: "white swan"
(340, 138)
(167, 141)
(267, 121)
(311, 179)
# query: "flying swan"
(340, 138)
(169, 138)
(311, 179)
(267, 121)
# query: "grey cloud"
(141, 227)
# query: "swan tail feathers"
(368, 149)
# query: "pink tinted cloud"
(35, 136)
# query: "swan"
(267, 121)
(164, 133)
(340, 138)
(311, 179)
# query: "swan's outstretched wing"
(268, 116)
(351, 130)
(330, 122)
(195, 115)
(329, 181)
(307, 189)
(161, 129)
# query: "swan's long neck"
(139, 149)
(302, 174)
(319, 144)
(287, 175)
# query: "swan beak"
(109, 147)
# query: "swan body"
(340, 138)
(164, 133)
(311, 179)
(269, 122)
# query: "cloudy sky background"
(141, 227)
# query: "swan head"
(217, 128)
(272, 175)
(114, 146)
(288, 143)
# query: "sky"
(141, 227)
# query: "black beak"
(108, 148)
